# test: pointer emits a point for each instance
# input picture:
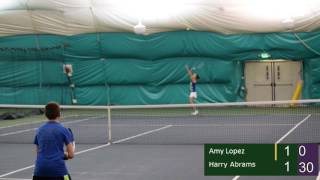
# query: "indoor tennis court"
(137, 89)
(160, 142)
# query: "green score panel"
(261, 159)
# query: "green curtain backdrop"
(124, 68)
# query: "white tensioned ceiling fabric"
(70, 17)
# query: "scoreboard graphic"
(261, 159)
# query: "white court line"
(17, 132)
(292, 129)
(236, 177)
(18, 170)
(21, 124)
(142, 134)
(13, 179)
(191, 125)
(91, 149)
(284, 136)
(318, 177)
(40, 121)
(34, 122)
(94, 148)
(32, 129)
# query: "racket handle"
(73, 143)
(65, 157)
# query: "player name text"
(226, 151)
(233, 164)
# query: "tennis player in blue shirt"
(193, 92)
(50, 140)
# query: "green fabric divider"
(88, 73)
(83, 46)
(52, 47)
(30, 63)
(18, 47)
(207, 44)
(31, 73)
(128, 45)
(170, 94)
(52, 73)
(34, 95)
(32, 47)
(128, 95)
(159, 46)
(98, 95)
(17, 74)
(311, 86)
(175, 44)
(165, 71)
(60, 94)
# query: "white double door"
(271, 80)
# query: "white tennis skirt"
(193, 95)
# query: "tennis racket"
(74, 142)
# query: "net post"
(109, 124)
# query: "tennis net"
(241, 122)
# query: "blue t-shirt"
(50, 139)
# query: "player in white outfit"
(193, 93)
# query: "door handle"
(284, 84)
(267, 72)
(278, 72)
(262, 84)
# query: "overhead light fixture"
(139, 28)
(264, 55)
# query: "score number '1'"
(303, 166)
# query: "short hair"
(52, 110)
